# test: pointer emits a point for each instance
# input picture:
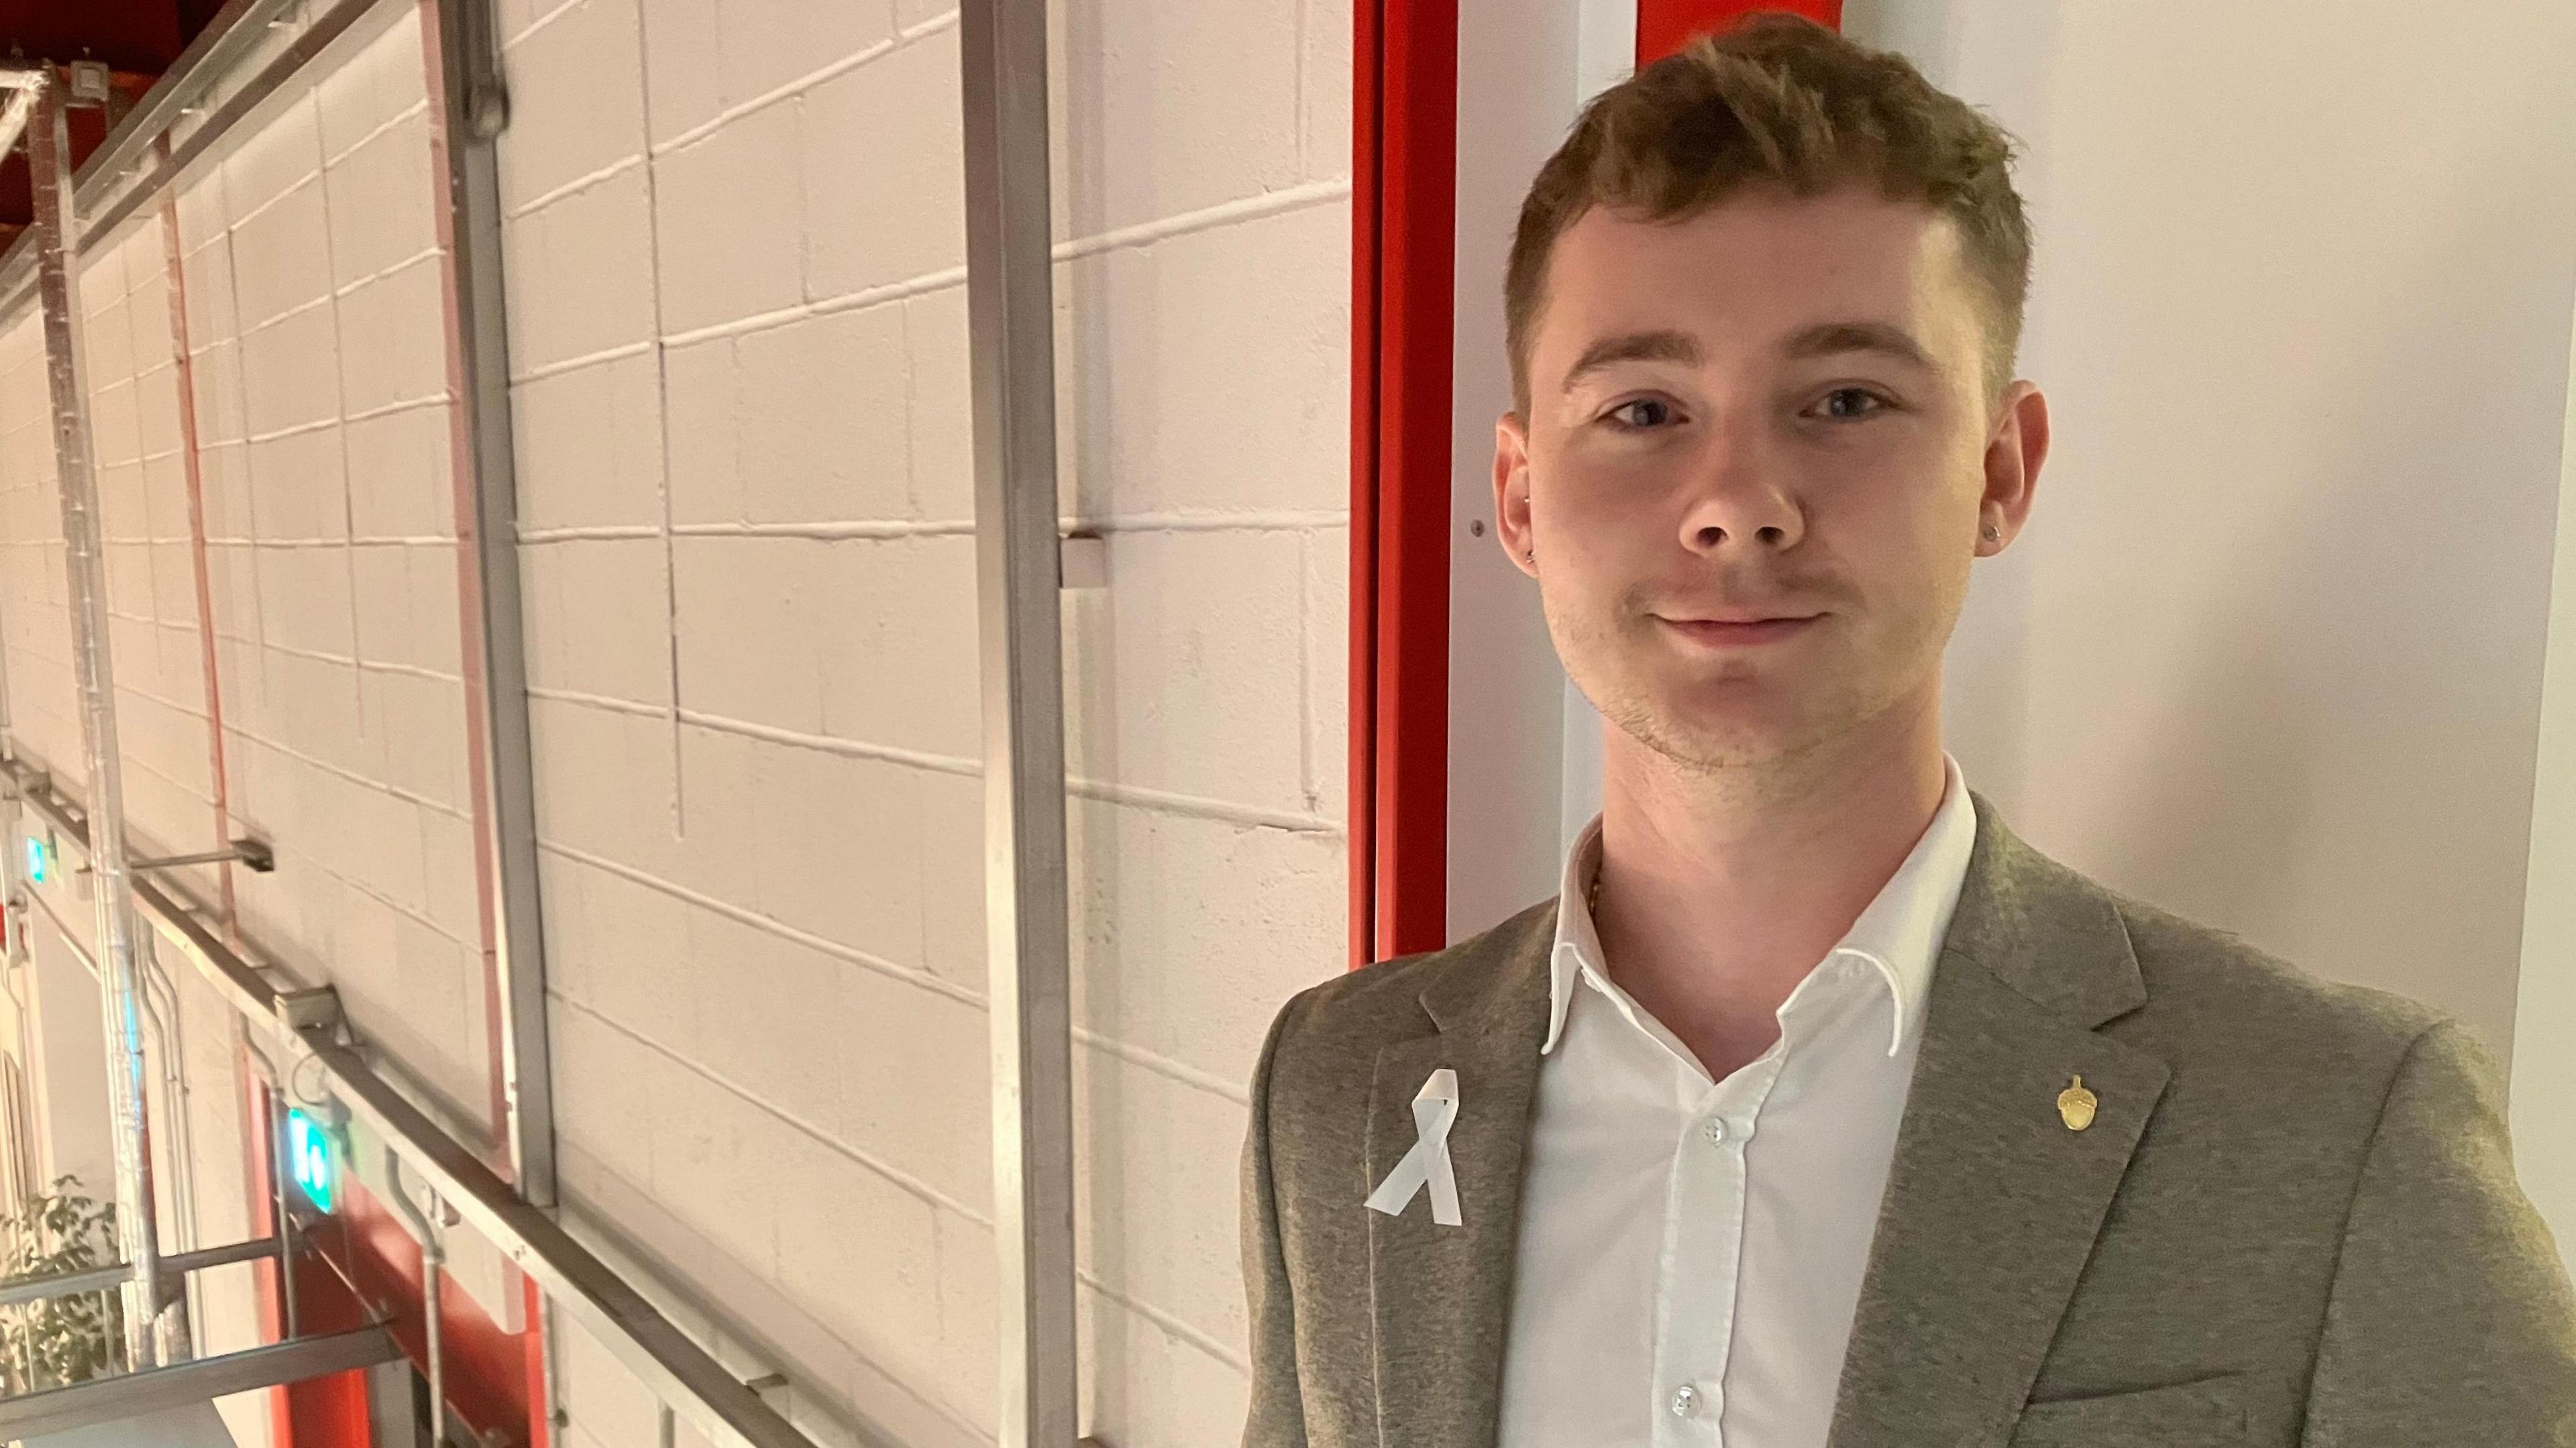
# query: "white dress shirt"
(1690, 1251)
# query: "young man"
(1819, 1109)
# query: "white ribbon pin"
(1435, 1109)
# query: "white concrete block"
(1189, 932)
(839, 849)
(1164, 107)
(755, 616)
(729, 223)
(898, 655)
(1155, 1191)
(386, 330)
(290, 372)
(111, 345)
(1324, 81)
(704, 1157)
(1145, 1384)
(590, 445)
(281, 255)
(941, 407)
(296, 487)
(401, 469)
(884, 185)
(576, 100)
(969, 1320)
(604, 782)
(372, 88)
(858, 1252)
(219, 395)
(952, 877)
(418, 725)
(592, 606)
(1182, 674)
(701, 396)
(604, 1399)
(916, 1084)
(766, 48)
(380, 197)
(1328, 675)
(580, 274)
(821, 418)
(1167, 331)
(278, 156)
(304, 600)
(683, 86)
(113, 430)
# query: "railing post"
(1010, 321)
(66, 371)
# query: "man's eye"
(1645, 412)
(1850, 402)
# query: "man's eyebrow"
(1663, 346)
(1831, 338)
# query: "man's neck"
(1721, 891)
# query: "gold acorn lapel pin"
(2076, 1105)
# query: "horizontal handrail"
(671, 1365)
(39, 1285)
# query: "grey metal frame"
(476, 109)
(56, 234)
(631, 1329)
(1010, 323)
(107, 1400)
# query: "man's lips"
(1739, 632)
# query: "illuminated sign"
(311, 1162)
(37, 862)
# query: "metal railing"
(327, 1062)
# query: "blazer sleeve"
(2451, 1320)
(1278, 1414)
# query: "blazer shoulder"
(2226, 991)
(1360, 1011)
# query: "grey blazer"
(2294, 1219)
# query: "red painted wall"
(1663, 26)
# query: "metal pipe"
(49, 156)
(229, 36)
(433, 1258)
(467, 107)
(282, 69)
(574, 1279)
(1010, 326)
(37, 1286)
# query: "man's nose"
(1738, 500)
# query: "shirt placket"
(1702, 1256)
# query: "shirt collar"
(1899, 933)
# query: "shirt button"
(1683, 1397)
(1717, 1129)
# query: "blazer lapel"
(1993, 1201)
(1441, 1296)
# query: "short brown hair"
(1785, 102)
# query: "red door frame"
(1404, 175)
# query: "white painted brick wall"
(750, 481)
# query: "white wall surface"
(2269, 653)
(738, 345)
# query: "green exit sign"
(312, 1162)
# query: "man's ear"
(1512, 491)
(2016, 448)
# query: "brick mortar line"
(1285, 201)
(1109, 791)
(348, 775)
(1261, 521)
(928, 1193)
(796, 89)
(1170, 1322)
(1178, 1072)
(363, 666)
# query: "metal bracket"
(90, 86)
(253, 855)
(315, 1008)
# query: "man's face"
(1756, 462)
